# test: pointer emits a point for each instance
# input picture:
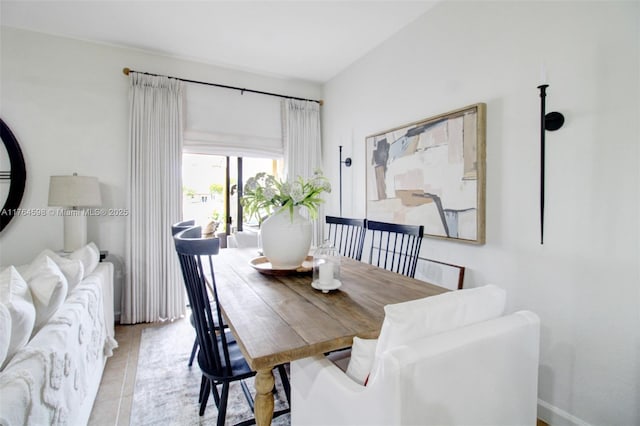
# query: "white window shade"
(227, 122)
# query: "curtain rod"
(126, 71)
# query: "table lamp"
(74, 193)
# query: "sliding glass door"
(212, 187)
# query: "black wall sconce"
(346, 162)
(551, 121)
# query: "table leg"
(264, 397)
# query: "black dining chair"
(181, 226)
(219, 356)
(395, 247)
(175, 228)
(347, 235)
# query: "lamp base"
(75, 230)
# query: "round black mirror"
(13, 175)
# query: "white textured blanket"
(48, 379)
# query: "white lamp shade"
(74, 191)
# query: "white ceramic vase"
(286, 240)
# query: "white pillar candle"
(326, 273)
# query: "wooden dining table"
(279, 317)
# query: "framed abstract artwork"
(431, 173)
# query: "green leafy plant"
(189, 192)
(215, 188)
(265, 193)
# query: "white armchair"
(485, 373)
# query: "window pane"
(203, 183)
(203, 187)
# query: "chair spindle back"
(196, 260)
(395, 247)
(181, 226)
(347, 235)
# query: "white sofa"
(481, 370)
(53, 378)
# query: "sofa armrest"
(104, 274)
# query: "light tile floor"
(113, 402)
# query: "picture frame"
(439, 273)
(431, 172)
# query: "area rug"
(166, 389)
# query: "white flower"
(270, 192)
(297, 193)
(263, 193)
(321, 182)
(270, 182)
(286, 189)
(251, 185)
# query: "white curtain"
(302, 147)
(153, 288)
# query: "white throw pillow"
(42, 276)
(362, 353)
(89, 255)
(5, 332)
(409, 321)
(16, 297)
(48, 287)
(73, 269)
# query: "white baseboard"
(555, 416)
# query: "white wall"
(584, 281)
(67, 103)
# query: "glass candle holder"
(326, 267)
